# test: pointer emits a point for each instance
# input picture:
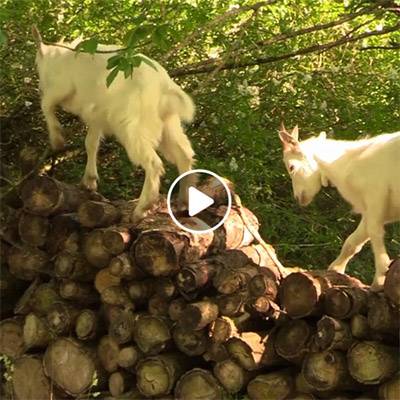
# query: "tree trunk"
(231, 375)
(11, 337)
(293, 340)
(128, 357)
(87, 325)
(73, 266)
(156, 376)
(392, 283)
(29, 381)
(198, 384)
(36, 332)
(383, 317)
(33, 229)
(197, 316)
(332, 334)
(116, 239)
(372, 362)
(124, 267)
(27, 262)
(152, 334)
(98, 214)
(108, 352)
(189, 342)
(82, 293)
(120, 382)
(71, 366)
(94, 250)
(327, 371)
(45, 196)
(344, 302)
(274, 385)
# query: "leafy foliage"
(328, 66)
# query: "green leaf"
(147, 61)
(87, 46)
(113, 61)
(111, 76)
(3, 38)
(128, 71)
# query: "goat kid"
(366, 173)
(143, 112)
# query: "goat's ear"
(282, 128)
(295, 133)
(288, 141)
(38, 38)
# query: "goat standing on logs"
(366, 174)
(144, 112)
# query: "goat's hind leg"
(92, 141)
(352, 245)
(48, 104)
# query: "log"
(263, 285)
(162, 247)
(293, 340)
(117, 296)
(359, 327)
(152, 334)
(23, 306)
(327, 371)
(120, 382)
(265, 306)
(176, 308)
(222, 329)
(121, 325)
(158, 305)
(391, 286)
(82, 293)
(98, 214)
(124, 267)
(372, 362)
(107, 352)
(260, 256)
(332, 334)
(36, 333)
(33, 229)
(231, 375)
(197, 316)
(61, 318)
(390, 390)
(94, 250)
(27, 262)
(128, 357)
(383, 317)
(104, 279)
(141, 291)
(274, 385)
(46, 196)
(28, 159)
(73, 266)
(165, 288)
(43, 297)
(232, 305)
(11, 337)
(64, 234)
(29, 381)
(216, 352)
(87, 325)
(189, 342)
(198, 384)
(116, 239)
(156, 376)
(70, 366)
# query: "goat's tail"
(38, 39)
(176, 101)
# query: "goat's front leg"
(54, 127)
(352, 245)
(92, 142)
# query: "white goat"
(143, 112)
(366, 173)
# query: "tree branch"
(393, 47)
(200, 69)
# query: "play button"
(209, 201)
(198, 201)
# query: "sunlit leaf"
(111, 76)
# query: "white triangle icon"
(198, 201)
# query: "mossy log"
(73, 266)
(197, 316)
(372, 362)
(27, 263)
(189, 342)
(332, 334)
(33, 229)
(124, 267)
(198, 384)
(11, 337)
(274, 385)
(392, 283)
(36, 332)
(98, 214)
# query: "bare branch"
(393, 47)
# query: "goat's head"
(301, 166)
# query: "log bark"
(332, 334)
(157, 375)
(152, 334)
(392, 283)
(116, 239)
(198, 384)
(27, 262)
(124, 267)
(87, 325)
(231, 375)
(46, 196)
(70, 366)
(33, 229)
(73, 266)
(390, 390)
(61, 318)
(327, 371)
(293, 340)
(94, 250)
(128, 357)
(344, 302)
(11, 337)
(36, 333)
(383, 317)
(29, 381)
(197, 316)
(189, 342)
(108, 352)
(371, 362)
(98, 214)
(82, 293)
(64, 234)
(274, 385)
(120, 382)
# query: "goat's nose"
(300, 198)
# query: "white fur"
(366, 173)
(143, 112)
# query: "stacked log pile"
(93, 303)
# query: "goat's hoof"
(58, 145)
(377, 284)
(90, 184)
(337, 268)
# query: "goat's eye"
(291, 168)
